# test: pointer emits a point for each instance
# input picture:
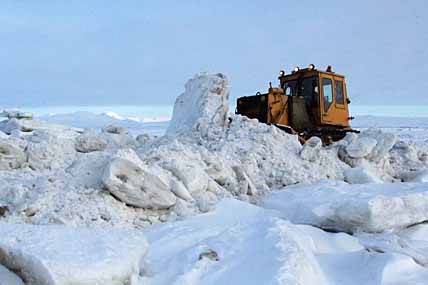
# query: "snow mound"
(352, 208)
(244, 238)
(61, 255)
(215, 156)
(64, 175)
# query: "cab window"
(290, 88)
(327, 93)
(309, 89)
(338, 89)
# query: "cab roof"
(306, 72)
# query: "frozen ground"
(257, 246)
(220, 199)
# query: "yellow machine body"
(309, 102)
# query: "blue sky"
(142, 52)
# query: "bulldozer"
(308, 102)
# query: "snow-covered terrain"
(256, 246)
(219, 197)
(55, 254)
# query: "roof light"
(329, 69)
(281, 73)
(311, 66)
(296, 69)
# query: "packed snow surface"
(243, 237)
(55, 254)
(256, 246)
(117, 174)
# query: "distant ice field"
(137, 113)
(409, 122)
(389, 110)
(165, 111)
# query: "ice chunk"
(115, 130)
(246, 185)
(361, 147)
(11, 156)
(193, 177)
(48, 150)
(127, 178)
(360, 175)
(203, 107)
(311, 149)
(90, 141)
(88, 170)
(62, 255)
(351, 208)
(371, 144)
(405, 158)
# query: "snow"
(361, 147)
(352, 208)
(15, 114)
(28, 125)
(246, 239)
(88, 120)
(189, 185)
(204, 102)
(256, 246)
(63, 255)
(11, 157)
(360, 175)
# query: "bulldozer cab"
(308, 101)
(324, 93)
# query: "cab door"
(327, 99)
(334, 108)
(341, 113)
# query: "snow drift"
(244, 237)
(255, 246)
